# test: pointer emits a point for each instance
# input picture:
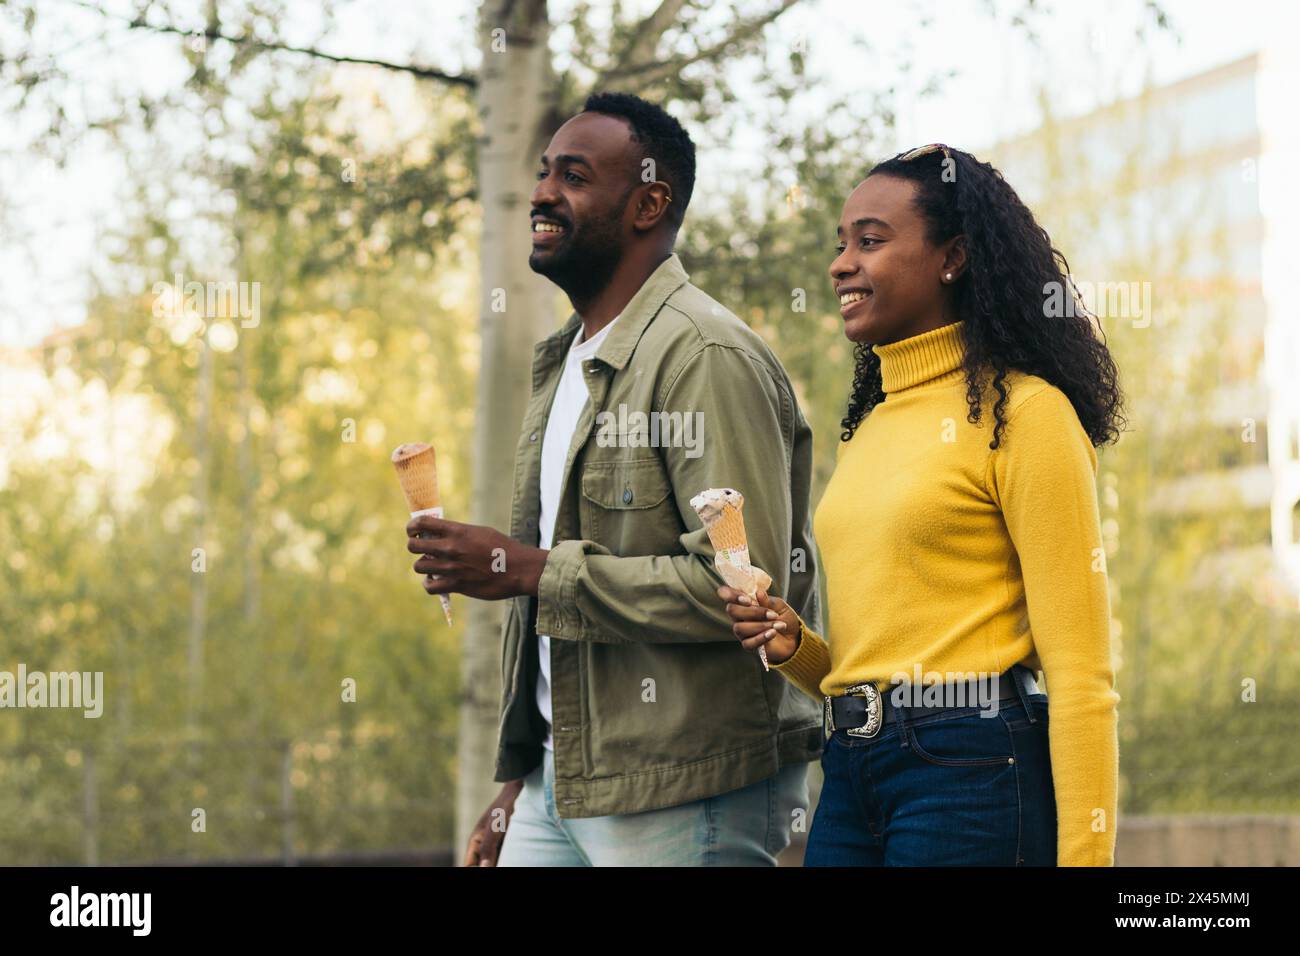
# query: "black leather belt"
(863, 710)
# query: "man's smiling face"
(580, 218)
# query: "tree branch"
(645, 37)
(647, 73)
(213, 33)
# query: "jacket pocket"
(626, 507)
(632, 485)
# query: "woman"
(961, 540)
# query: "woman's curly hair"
(1010, 267)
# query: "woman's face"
(888, 276)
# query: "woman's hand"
(769, 623)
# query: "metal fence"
(330, 798)
(1213, 788)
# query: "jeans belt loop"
(1023, 678)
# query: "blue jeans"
(949, 789)
(746, 827)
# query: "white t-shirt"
(571, 397)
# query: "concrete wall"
(1186, 840)
(1208, 840)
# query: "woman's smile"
(852, 299)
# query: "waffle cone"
(719, 510)
(728, 531)
(417, 472)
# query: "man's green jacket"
(654, 701)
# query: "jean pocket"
(966, 741)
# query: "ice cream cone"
(417, 473)
(728, 531)
(720, 510)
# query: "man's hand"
(472, 560)
(485, 839)
(768, 622)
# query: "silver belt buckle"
(875, 712)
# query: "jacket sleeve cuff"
(557, 613)
(810, 662)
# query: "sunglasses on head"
(924, 150)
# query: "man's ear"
(954, 259)
(652, 205)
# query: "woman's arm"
(810, 663)
(1044, 479)
(794, 649)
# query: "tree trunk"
(516, 108)
(199, 580)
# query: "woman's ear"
(954, 259)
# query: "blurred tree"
(1206, 681)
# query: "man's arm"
(587, 593)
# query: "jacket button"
(627, 496)
(533, 437)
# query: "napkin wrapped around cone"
(720, 510)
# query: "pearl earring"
(947, 277)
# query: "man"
(634, 728)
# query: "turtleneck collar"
(921, 359)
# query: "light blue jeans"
(746, 827)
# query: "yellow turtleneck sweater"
(941, 552)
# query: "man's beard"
(585, 262)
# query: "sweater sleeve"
(810, 662)
(1043, 477)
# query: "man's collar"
(636, 315)
(618, 346)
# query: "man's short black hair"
(661, 138)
